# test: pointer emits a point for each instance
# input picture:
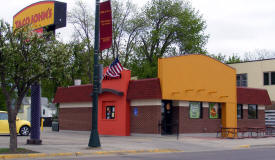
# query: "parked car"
(23, 127)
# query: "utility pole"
(94, 137)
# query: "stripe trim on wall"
(146, 102)
(75, 105)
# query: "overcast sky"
(234, 26)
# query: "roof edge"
(201, 55)
(108, 90)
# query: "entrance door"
(167, 118)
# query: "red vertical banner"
(105, 25)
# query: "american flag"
(114, 69)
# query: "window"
(242, 80)
(252, 111)
(269, 78)
(272, 78)
(3, 116)
(110, 112)
(195, 110)
(214, 110)
(240, 111)
(266, 78)
(43, 111)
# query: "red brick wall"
(79, 119)
(146, 120)
(204, 125)
(245, 122)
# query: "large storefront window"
(195, 110)
(214, 110)
(252, 111)
(240, 111)
(110, 112)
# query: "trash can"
(55, 126)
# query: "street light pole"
(94, 137)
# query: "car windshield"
(3, 116)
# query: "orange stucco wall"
(200, 78)
(120, 125)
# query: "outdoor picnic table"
(270, 130)
(257, 130)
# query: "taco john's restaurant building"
(192, 94)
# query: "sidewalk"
(75, 143)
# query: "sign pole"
(35, 114)
(94, 137)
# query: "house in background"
(25, 109)
(47, 110)
(257, 74)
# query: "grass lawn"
(18, 151)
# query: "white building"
(47, 110)
(257, 74)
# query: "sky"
(233, 26)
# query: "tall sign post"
(94, 137)
(103, 40)
(41, 16)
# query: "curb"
(39, 155)
(244, 146)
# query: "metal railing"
(174, 126)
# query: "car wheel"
(25, 130)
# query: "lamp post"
(94, 137)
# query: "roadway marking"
(242, 146)
(39, 155)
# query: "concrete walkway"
(75, 143)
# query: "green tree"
(125, 31)
(25, 58)
(234, 59)
(171, 27)
(75, 69)
(79, 62)
(82, 20)
(223, 58)
(220, 57)
(125, 28)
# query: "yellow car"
(22, 126)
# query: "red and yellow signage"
(38, 15)
(41, 14)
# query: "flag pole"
(94, 141)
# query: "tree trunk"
(12, 112)
(13, 134)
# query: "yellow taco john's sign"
(41, 14)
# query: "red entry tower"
(113, 107)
